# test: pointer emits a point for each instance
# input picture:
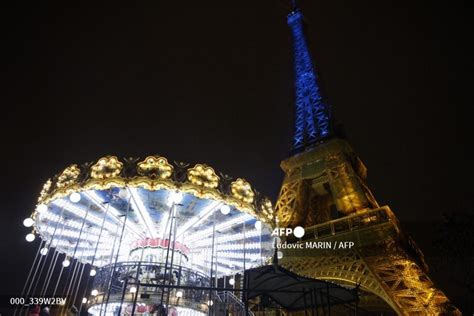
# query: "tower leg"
(395, 278)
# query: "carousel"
(145, 236)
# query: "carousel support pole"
(216, 261)
(86, 287)
(83, 265)
(117, 254)
(95, 251)
(314, 302)
(245, 293)
(76, 281)
(71, 282)
(52, 262)
(109, 275)
(49, 273)
(74, 263)
(260, 250)
(59, 278)
(167, 252)
(243, 231)
(38, 263)
(172, 255)
(212, 259)
(79, 283)
(125, 283)
(180, 262)
(42, 262)
(29, 275)
(180, 273)
(137, 287)
(46, 244)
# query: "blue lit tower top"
(313, 114)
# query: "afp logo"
(298, 232)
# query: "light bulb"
(84, 300)
(179, 294)
(94, 292)
(225, 209)
(66, 263)
(210, 303)
(123, 194)
(133, 289)
(75, 197)
(30, 237)
(41, 208)
(232, 281)
(28, 222)
(44, 251)
(93, 272)
(279, 254)
(176, 197)
(258, 225)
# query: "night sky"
(212, 82)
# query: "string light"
(30, 237)
(195, 231)
(225, 209)
(28, 222)
(175, 197)
(66, 263)
(41, 208)
(75, 197)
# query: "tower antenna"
(294, 5)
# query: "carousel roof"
(154, 173)
(81, 212)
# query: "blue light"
(313, 119)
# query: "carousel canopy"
(82, 211)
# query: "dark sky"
(211, 81)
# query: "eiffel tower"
(325, 191)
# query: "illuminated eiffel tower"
(324, 190)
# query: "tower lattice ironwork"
(325, 191)
(313, 117)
